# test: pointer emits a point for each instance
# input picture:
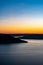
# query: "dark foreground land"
(7, 38)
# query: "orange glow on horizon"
(21, 30)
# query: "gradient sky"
(21, 16)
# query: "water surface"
(30, 53)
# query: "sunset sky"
(21, 16)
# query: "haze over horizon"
(21, 16)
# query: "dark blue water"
(30, 53)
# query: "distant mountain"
(30, 36)
(33, 36)
(7, 38)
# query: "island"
(7, 38)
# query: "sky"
(21, 16)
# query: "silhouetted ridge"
(33, 36)
(6, 38)
(30, 36)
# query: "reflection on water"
(30, 53)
